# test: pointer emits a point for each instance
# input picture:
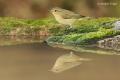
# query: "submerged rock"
(110, 43)
(67, 61)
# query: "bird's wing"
(72, 16)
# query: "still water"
(33, 61)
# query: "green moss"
(92, 25)
(27, 26)
(15, 22)
(92, 37)
(86, 32)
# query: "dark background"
(39, 8)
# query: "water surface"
(33, 61)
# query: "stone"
(117, 25)
(110, 43)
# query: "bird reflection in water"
(67, 61)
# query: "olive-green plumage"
(64, 16)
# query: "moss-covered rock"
(85, 32)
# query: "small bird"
(64, 16)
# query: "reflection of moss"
(86, 32)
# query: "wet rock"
(110, 43)
(117, 25)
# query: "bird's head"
(57, 11)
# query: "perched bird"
(64, 16)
